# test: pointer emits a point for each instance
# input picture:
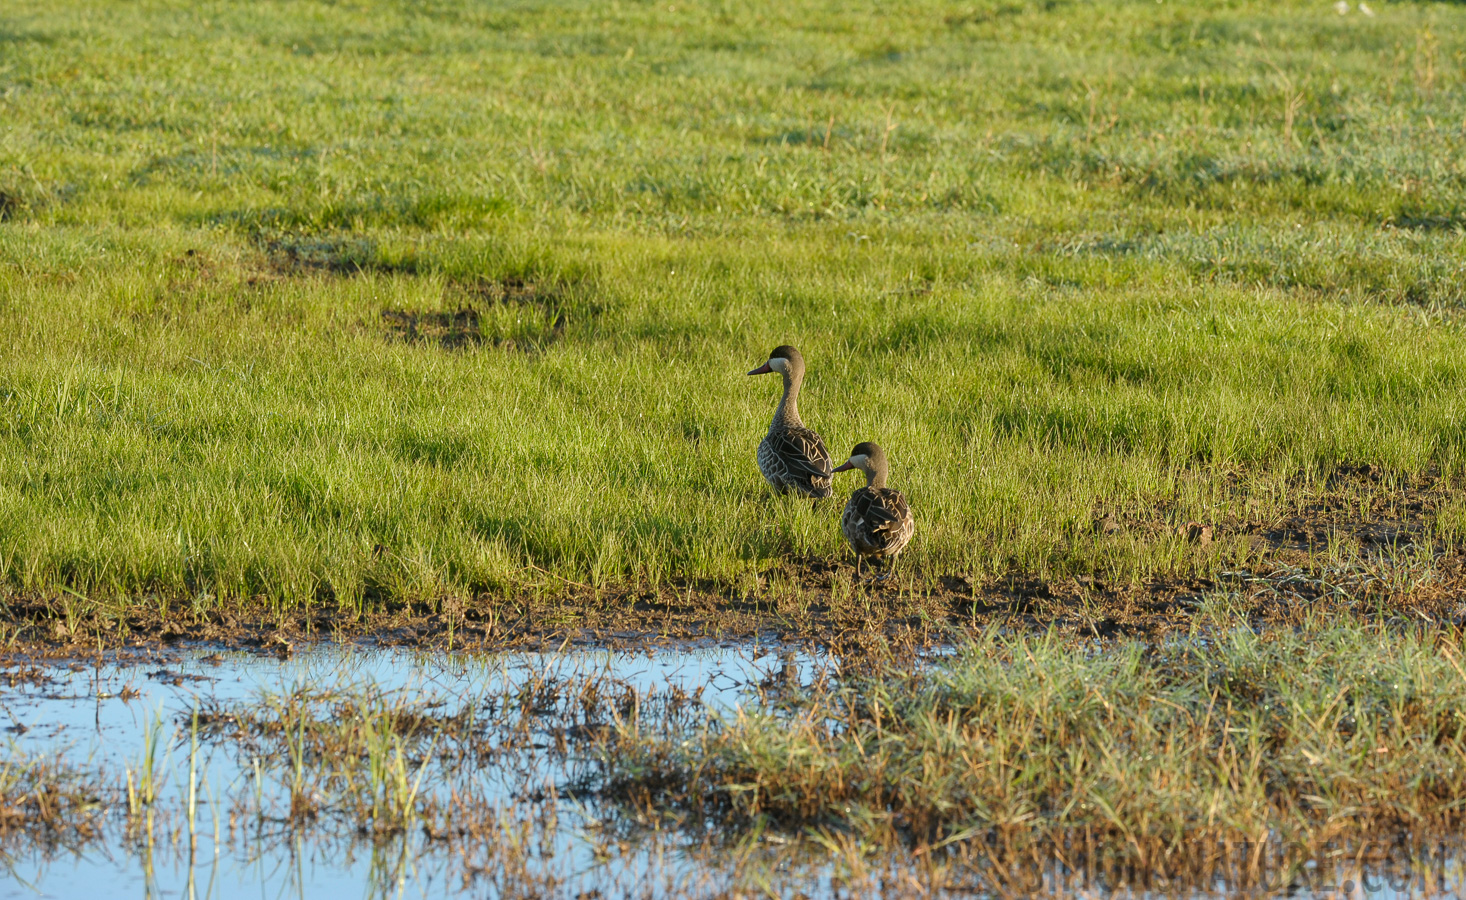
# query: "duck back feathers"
(877, 521)
(794, 458)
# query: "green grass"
(1059, 259)
(1020, 746)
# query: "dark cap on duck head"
(784, 358)
(869, 458)
(865, 452)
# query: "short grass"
(1060, 259)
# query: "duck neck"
(788, 412)
(875, 477)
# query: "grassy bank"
(363, 302)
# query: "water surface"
(506, 743)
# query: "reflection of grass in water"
(51, 801)
(463, 785)
(1021, 747)
(1017, 758)
(459, 787)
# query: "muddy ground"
(1395, 570)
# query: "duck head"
(785, 360)
(869, 458)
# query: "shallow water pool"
(202, 727)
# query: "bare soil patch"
(449, 330)
(464, 327)
(512, 290)
(1361, 504)
(813, 608)
(544, 308)
(295, 256)
(547, 306)
(546, 315)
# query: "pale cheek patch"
(779, 364)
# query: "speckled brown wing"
(877, 522)
(796, 459)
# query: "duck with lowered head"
(877, 521)
(792, 457)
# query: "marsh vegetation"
(426, 323)
(1228, 762)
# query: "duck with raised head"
(792, 457)
(877, 521)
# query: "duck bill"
(846, 466)
(762, 370)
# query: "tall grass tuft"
(1335, 736)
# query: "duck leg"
(886, 567)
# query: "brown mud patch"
(10, 205)
(1356, 508)
(1357, 545)
(449, 330)
(515, 312)
(545, 316)
(1365, 505)
(814, 610)
(50, 803)
(287, 257)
